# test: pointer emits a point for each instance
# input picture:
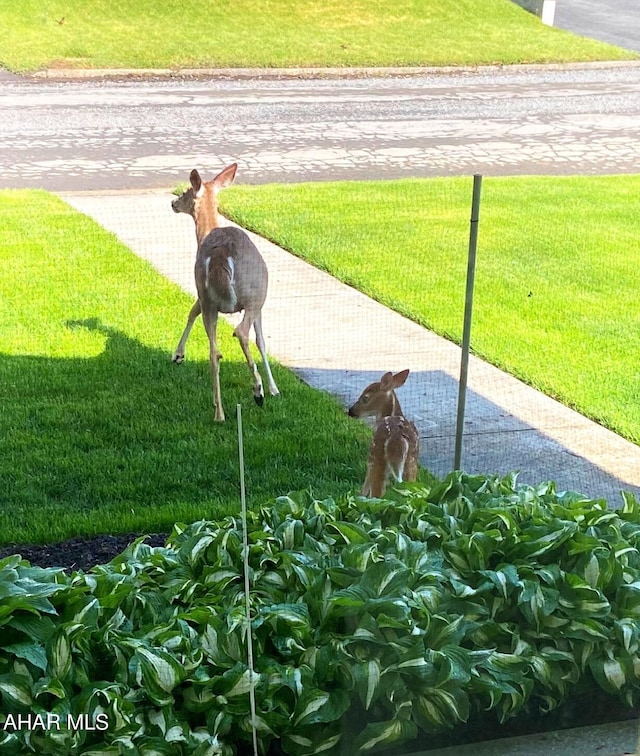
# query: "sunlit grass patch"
(146, 34)
(99, 431)
(558, 269)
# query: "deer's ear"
(196, 182)
(225, 177)
(400, 378)
(386, 382)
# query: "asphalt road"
(613, 21)
(91, 135)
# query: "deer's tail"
(221, 272)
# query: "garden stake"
(245, 542)
(466, 329)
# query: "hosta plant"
(373, 622)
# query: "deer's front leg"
(375, 482)
(178, 355)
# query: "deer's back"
(396, 438)
(230, 270)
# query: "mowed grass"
(36, 34)
(99, 431)
(557, 281)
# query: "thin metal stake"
(247, 603)
(468, 309)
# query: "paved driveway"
(613, 21)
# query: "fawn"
(231, 276)
(395, 445)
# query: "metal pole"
(247, 602)
(468, 310)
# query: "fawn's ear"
(225, 177)
(386, 382)
(196, 182)
(400, 378)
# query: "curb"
(311, 73)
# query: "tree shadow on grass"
(125, 441)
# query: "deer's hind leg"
(210, 320)
(242, 334)
(257, 327)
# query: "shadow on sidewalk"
(495, 441)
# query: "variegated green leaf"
(386, 579)
(609, 673)
(290, 533)
(381, 734)
(243, 684)
(317, 706)
(59, 654)
(445, 630)
(349, 532)
(586, 629)
(32, 651)
(15, 690)
(50, 686)
(628, 631)
(160, 666)
(308, 745)
(583, 600)
(366, 678)
(438, 709)
(631, 505)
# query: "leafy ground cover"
(99, 431)
(373, 621)
(557, 270)
(148, 34)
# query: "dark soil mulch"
(79, 553)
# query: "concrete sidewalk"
(338, 340)
(615, 739)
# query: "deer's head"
(379, 399)
(202, 195)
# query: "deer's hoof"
(178, 359)
(259, 399)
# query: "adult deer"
(395, 445)
(186, 204)
(231, 276)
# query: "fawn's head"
(378, 399)
(201, 196)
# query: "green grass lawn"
(557, 280)
(37, 34)
(99, 431)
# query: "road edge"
(70, 74)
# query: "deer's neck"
(391, 409)
(206, 218)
